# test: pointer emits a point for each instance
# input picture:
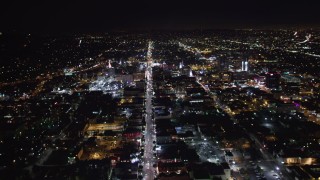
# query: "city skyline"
(191, 105)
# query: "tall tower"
(109, 64)
(190, 73)
(181, 65)
(244, 65)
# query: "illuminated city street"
(149, 158)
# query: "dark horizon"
(57, 17)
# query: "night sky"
(105, 15)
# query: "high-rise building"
(109, 64)
(273, 80)
(190, 73)
(181, 65)
(244, 65)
